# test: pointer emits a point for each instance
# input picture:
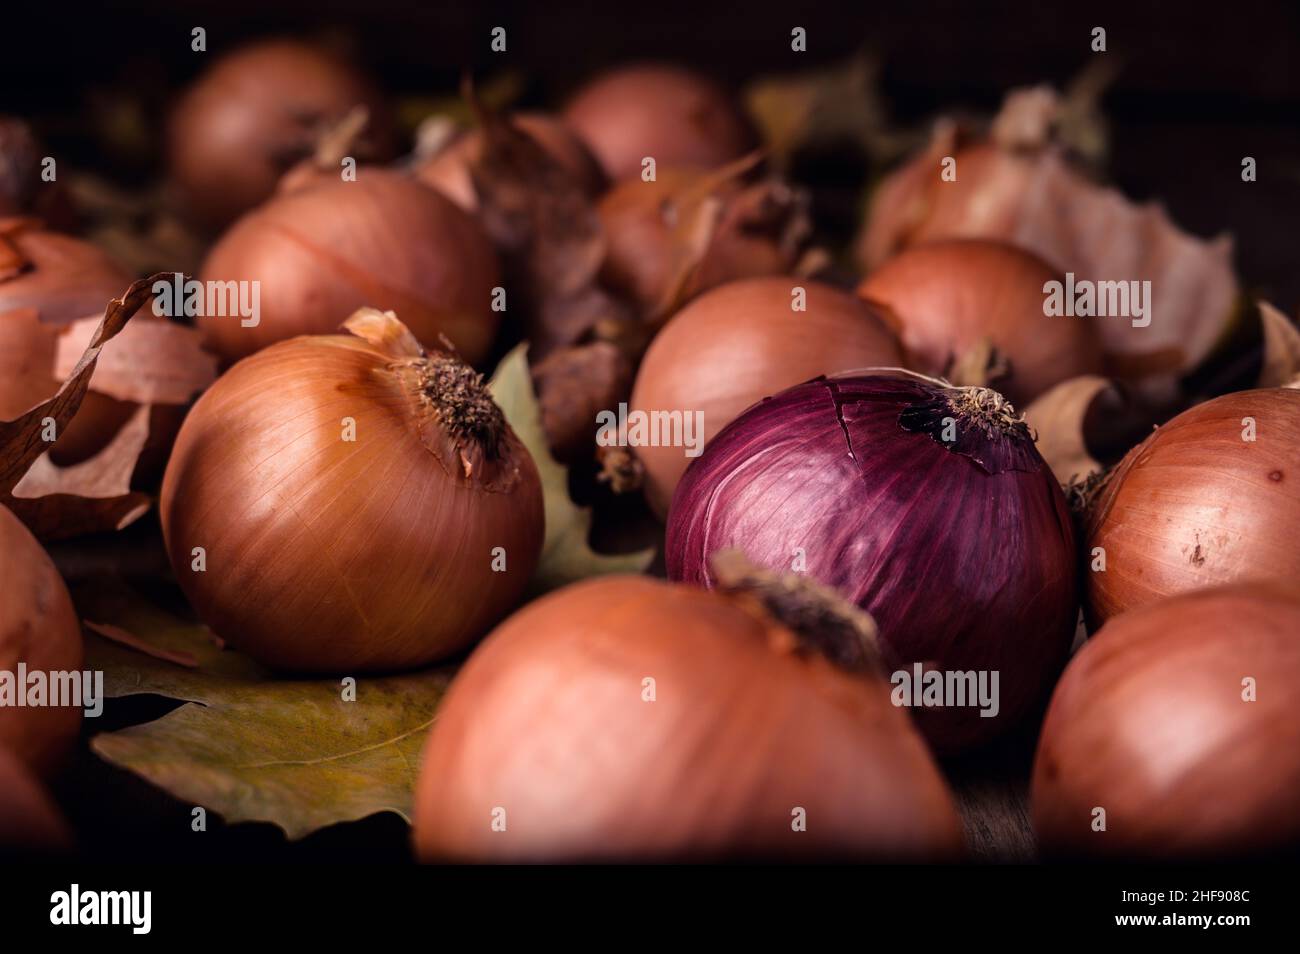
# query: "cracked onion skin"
(1195, 505)
(384, 241)
(962, 551)
(941, 298)
(256, 112)
(676, 115)
(1150, 722)
(328, 555)
(547, 721)
(39, 627)
(739, 343)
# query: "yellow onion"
(255, 113)
(1179, 722)
(448, 171)
(1019, 185)
(942, 298)
(1199, 503)
(653, 233)
(630, 719)
(39, 628)
(360, 504)
(324, 251)
(675, 115)
(741, 342)
(30, 825)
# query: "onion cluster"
(343, 503)
(254, 114)
(629, 719)
(1210, 497)
(384, 241)
(926, 505)
(741, 342)
(1175, 733)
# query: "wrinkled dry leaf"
(1281, 349)
(1058, 418)
(566, 554)
(251, 747)
(20, 439)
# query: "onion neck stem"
(822, 621)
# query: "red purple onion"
(926, 505)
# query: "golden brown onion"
(448, 171)
(630, 719)
(385, 240)
(38, 627)
(1199, 503)
(673, 114)
(738, 344)
(361, 505)
(30, 825)
(1156, 723)
(649, 245)
(256, 112)
(942, 298)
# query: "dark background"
(1200, 86)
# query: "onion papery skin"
(741, 342)
(964, 556)
(548, 721)
(384, 241)
(30, 824)
(1195, 505)
(675, 115)
(66, 280)
(1150, 722)
(644, 248)
(256, 112)
(39, 627)
(332, 556)
(941, 298)
(448, 171)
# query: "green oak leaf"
(250, 746)
(566, 555)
